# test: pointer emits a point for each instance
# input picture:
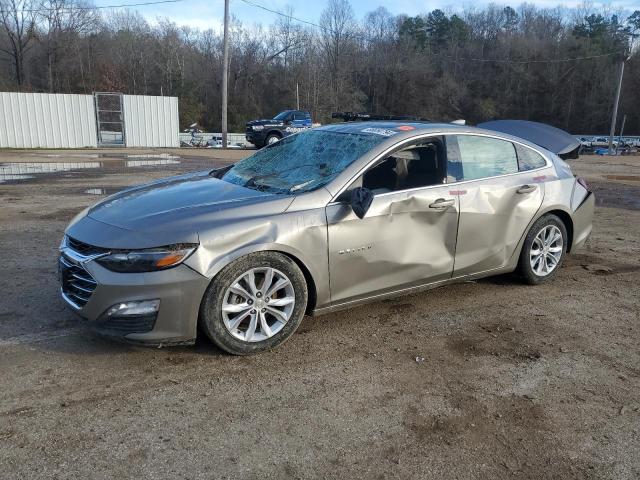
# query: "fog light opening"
(134, 308)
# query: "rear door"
(497, 199)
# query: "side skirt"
(408, 291)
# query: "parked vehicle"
(603, 142)
(585, 142)
(320, 221)
(266, 132)
(216, 142)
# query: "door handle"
(441, 203)
(526, 189)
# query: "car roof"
(406, 129)
(359, 126)
(401, 130)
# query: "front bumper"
(255, 137)
(180, 291)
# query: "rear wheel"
(543, 250)
(255, 303)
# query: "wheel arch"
(310, 275)
(277, 133)
(568, 224)
(556, 210)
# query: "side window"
(471, 157)
(529, 159)
(418, 165)
(298, 116)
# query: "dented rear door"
(497, 207)
(406, 238)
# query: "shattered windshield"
(301, 162)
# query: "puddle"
(96, 191)
(65, 155)
(25, 170)
(101, 164)
(148, 163)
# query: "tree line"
(558, 66)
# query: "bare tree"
(338, 30)
(60, 23)
(17, 18)
(551, 65)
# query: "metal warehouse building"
(44, 120)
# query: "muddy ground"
(517, 381)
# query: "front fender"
(300, 235)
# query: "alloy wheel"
(258, 304)
(546, 250)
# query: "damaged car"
(323, 220)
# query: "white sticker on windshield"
(385, 132)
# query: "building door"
(109, 119)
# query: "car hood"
(168, 211)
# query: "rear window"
(529, 159)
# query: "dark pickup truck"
(264, 132)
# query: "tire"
(272, 138)
(223, 304)
(540, 268)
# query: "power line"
(257, 5)
(94, 7)
(486, 60)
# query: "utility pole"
(624, 120)
(297, 97)
(612, 131)
(225, 73)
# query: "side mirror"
(361, 199)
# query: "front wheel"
(271, 139)
(543, 250)
(255, 303)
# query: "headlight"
(148, 260)
(257, 128)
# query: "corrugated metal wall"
(151, 121)
(44, 120)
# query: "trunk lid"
(551, 138)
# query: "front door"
(407, 237)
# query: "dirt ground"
(516, 382)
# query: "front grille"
(84, 248)
(77, 284)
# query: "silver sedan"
(322, 220)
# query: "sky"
(205, 14)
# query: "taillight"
(582, 182)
